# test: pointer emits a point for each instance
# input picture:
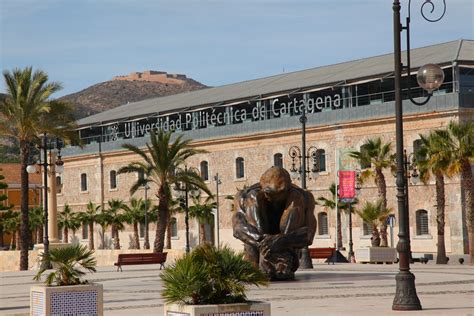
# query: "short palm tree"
(341, 206)
(210, 275)
(374, 214)
(67, 263)
(117, 219)
(28, 111)
(459, 144)
(379, 156)
(104, 219)
(36, 222)
(202, 210)
(134, 215)
(89, 217)
(432, 161)
(11, 221)
(160, 162)
(68, 220)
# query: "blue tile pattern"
(74, 303)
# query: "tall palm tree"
(341, 206)
(459, 143)
(374, 214)
(104, 219)
(27, 111)
(432, 161)
(134, 215)
(117, 219)
(202, 211)
(379, 156)
(89, 217)
(68, 220)
(160, 163)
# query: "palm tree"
(458, 141)
(374, 214)
(379, 156)
(36, 222)
(11, 222)
(68, 220)
(431, 161)
(134, 215)
(104, 219)
(202, 211)
(117, 218)
(27, 111)
(89, 217)
(160, 165)
(331, 204)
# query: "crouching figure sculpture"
(274, 219)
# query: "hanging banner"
(347, 182)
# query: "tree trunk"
(136, 238)
(13, 240)
(202, 233)
(168, 233)
(440, 214)
(382, 194)
(40, 234)
(91, 235)
(115, 235)
(375, 239)
(66, 235)
(146, 243)
(339, 230)
(162, 220)
(18, 238)
(467, 183)
(25, 232)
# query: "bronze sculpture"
(274, 219)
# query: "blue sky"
(84, 42)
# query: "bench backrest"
(144, 257)
(321, 252)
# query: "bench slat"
(140, 258)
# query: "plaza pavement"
(340, 289)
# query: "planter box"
(376, 254)
(86, 299)
(239, 309)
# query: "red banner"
(347, 181)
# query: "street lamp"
(183, 191)
(429, 77)
(358, 187)
(301, 157)
(218, 182)
(146, 243)
(57, 167)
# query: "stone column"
(52, 201)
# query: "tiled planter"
(86, 299)
(376, 254)
(240, 309)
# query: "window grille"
(205, 170)
(321, 156)
(422, 222)
(323, 224)
(113, 179)
(239, 168)
(278, 160)
(367, 229)
(83, 182)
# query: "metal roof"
(347, 72)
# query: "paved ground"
(340, 289)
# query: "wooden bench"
(140, 258)
(322, 253)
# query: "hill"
(123, 89)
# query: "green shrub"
(209, 275)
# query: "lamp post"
(183, 192)
(350, 254)
(429, 77)
(218, 182)
(301, 157)
(146, 243)
(55, 167)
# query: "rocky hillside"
(123, 89)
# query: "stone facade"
(258, 150)
(154, 76)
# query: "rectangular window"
(85, 231)
(83, 182)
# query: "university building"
(250, 126)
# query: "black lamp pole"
(45, 199)
(218, 182)
(146, 243)
(430, 77)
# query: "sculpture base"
(405, 295)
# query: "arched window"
(174, 227)
(141, 175)
(205, 170)
(366, 229)
(416, 147)
(239, 168)
(83, 182)
(422, 222)
(113, 179)
(321, 159)
(278, 160)
(363, 151)
(323, 224)
(85, 231)
(141, 230)
(59, 185)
